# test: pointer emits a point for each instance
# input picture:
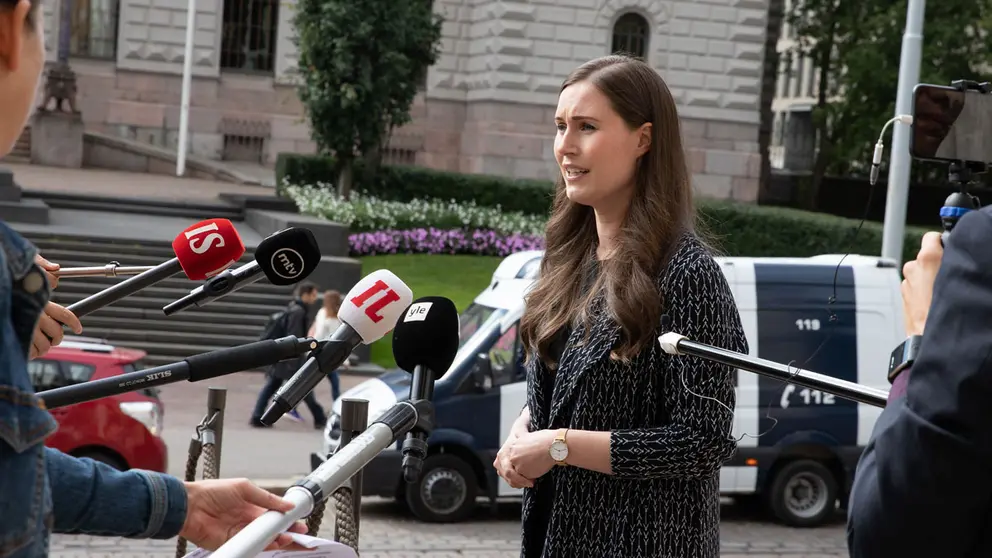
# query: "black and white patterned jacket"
(667, 444)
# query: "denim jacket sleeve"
(95, 499)
(42, 489)
(25, 494)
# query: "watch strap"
(903, 356)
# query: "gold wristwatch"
(559, 448)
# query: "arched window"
(630, 35)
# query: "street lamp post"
(894, 230)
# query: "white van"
(799, 446)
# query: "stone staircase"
(138, 321)
(22, 149)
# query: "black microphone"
(284, 257)
(367, 313)
(425, 342)
(194, 369)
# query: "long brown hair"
(332, 303)
(660, 211)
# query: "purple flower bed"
(441, 241)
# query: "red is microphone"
(202, 250)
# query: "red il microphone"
(369, 311)
(202, 250)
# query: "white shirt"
(323, 326)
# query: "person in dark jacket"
(923, 485)
(296, 322)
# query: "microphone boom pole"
(677, 344)
(203, 366)
(126, 287)
(113, 269)
(401, 418)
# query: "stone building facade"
(489, 101)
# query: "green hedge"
(397, 183)
(738, 229)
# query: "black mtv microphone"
(425, 342)
(677, 344)
(198, 367)
(367, 313)
(284, 257)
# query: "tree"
(855, 50)
(769, 75)
(361, 64)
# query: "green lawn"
(457, 277)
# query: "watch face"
(559, 451)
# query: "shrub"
(404, 184)
(437, 241)
(367, 213)
(740, 229)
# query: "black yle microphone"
(195, 368)
(425, 342)
(368, 312)
(284, 257)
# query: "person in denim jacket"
(43, 490)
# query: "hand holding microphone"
(425, 342)
(284, 258)
(369, 311)
(202, 250)
(917, 284)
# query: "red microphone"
(202, 250)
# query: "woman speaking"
(620, 445)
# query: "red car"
(124, 430)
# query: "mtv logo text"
(287, 263)
(375, 303)
(417, 312)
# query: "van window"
(503, 358)
(470, 320)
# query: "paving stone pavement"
(388, 532)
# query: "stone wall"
(490, 98)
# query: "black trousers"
(272, 385)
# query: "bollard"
(206, 441)
(354, 421)
(216, 404)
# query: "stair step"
(224, 305)
(79, 291)
(237, 327)
(153, 317)
(125, 207)
(129, 335)
(262, 286)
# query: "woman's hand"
(218, 509)
(524, 458)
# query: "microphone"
(112, 269)
(369, 310)
(284, 257)
(677, 344)
(203, 366)
(202, 250)
(425, 341)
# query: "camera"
(953, 124)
